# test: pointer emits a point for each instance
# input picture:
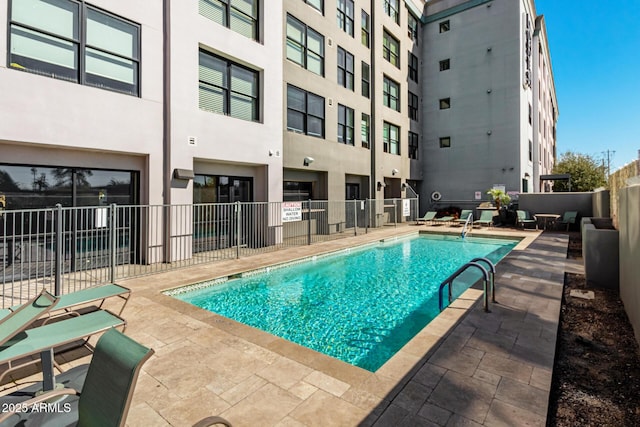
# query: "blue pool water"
(360, 307)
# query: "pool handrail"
(465, 229)
(492, 274)
(458, 272)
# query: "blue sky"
(595, 55)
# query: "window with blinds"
(391, 49)
(345, 125)
(305, 112)
(228, 88)
(51, 37)
(240, 16)
(345, 69)
(391, 138)
(390, 93)
(305, 46)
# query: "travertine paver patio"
(466, 367)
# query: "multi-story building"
(490, 107)
(222, 101)
(352, 97)
(112, 102)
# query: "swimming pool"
(361, 305)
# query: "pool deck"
(466, 367)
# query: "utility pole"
(609, 154)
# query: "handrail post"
(355, 217)
(238, 218)
(395, 212)
(113, 235)
(309, 222)
(59, 245)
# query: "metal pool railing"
(487, 280)
(65, 249)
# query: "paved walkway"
(466, 367)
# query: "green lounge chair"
(45, 339)
(23, 316)
(568, 218)
(105, 395)
(523, 218)
(428, 217)
(464, 215)
(486, 218)
(68, 303)
(442, 220)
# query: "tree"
(586, 173)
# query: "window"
(444, 26)
(305, 112)
(445, 142)
(392, 8)
(221, 189)
(412, 28)
(391, 49)
(345, 125)
(445, 64)
(345, 68)
(297, 191)
(413, 145)
(445, 103)
(365, 130)
(366, 80)
(530, 151)
(391, 138)
(34, 186)
(227, 88)
(413, 67)
(316, 4)
(76, 42)
(240, 16)
(390, 93)
(366, 29)
(413, 106)
(305, 46)
(345, 16)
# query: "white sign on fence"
(291, 211)
(406, 207)
(101, 218)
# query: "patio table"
(546, 218)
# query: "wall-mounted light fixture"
(394, 171)
(381, 185)
(308, 160)
(183, 174)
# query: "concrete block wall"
(629, 226)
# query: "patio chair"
(105, 395)
(68, 304)
(428, 217)
(568, 218)
(486, 218)
(442, 220)
(523, 218)
(464, 215)
(44, 340)
(14, 322)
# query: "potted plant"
(500, 198)
(501, 201)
